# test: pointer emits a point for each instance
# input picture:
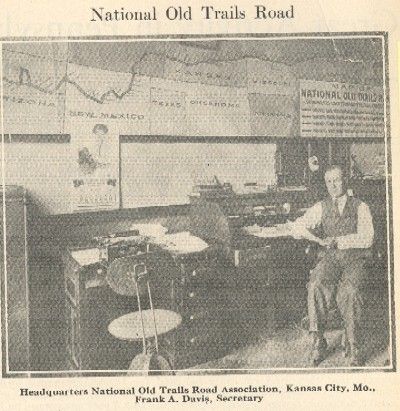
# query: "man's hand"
(252, 229)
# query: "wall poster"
(330, 109)
(95, 156)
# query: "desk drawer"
(202, 347)
(268, 256)
(199, 298)
(197, 275)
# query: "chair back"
(126, 273)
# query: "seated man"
(340, 274)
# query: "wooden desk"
(219, 306)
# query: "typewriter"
(120, 244)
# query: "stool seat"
(129, 326)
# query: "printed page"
(231, 169)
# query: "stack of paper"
(184, 243)
(86, 256)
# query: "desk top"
(182, 243)
(282, 230)
(178, 244)
(86, 256)
(267, 232)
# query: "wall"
(48, 95)
(164, 173)
(43, 166)
(181, 92)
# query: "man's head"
(334, 181)
(100, 129)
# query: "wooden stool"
(123, 276)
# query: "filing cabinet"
(15, 281)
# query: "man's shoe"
(356, 359)
(319, 351)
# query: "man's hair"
(101, 127)
(335, 167)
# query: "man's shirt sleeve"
(311, 218)
(364, 237)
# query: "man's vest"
(336, 225)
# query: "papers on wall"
(119, 99)
(95, 163)
(244, 97)
(330, 109)
(33, 94)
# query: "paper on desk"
(282, 230)
(303, 233)
(184, 243)
(86, 256)
(150, 230)
(268, 232)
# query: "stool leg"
(141, 319)
(154, 316)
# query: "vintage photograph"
(196, 205)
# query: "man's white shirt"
(364, 236)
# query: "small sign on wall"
(95, 156)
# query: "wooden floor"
(289, 347)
